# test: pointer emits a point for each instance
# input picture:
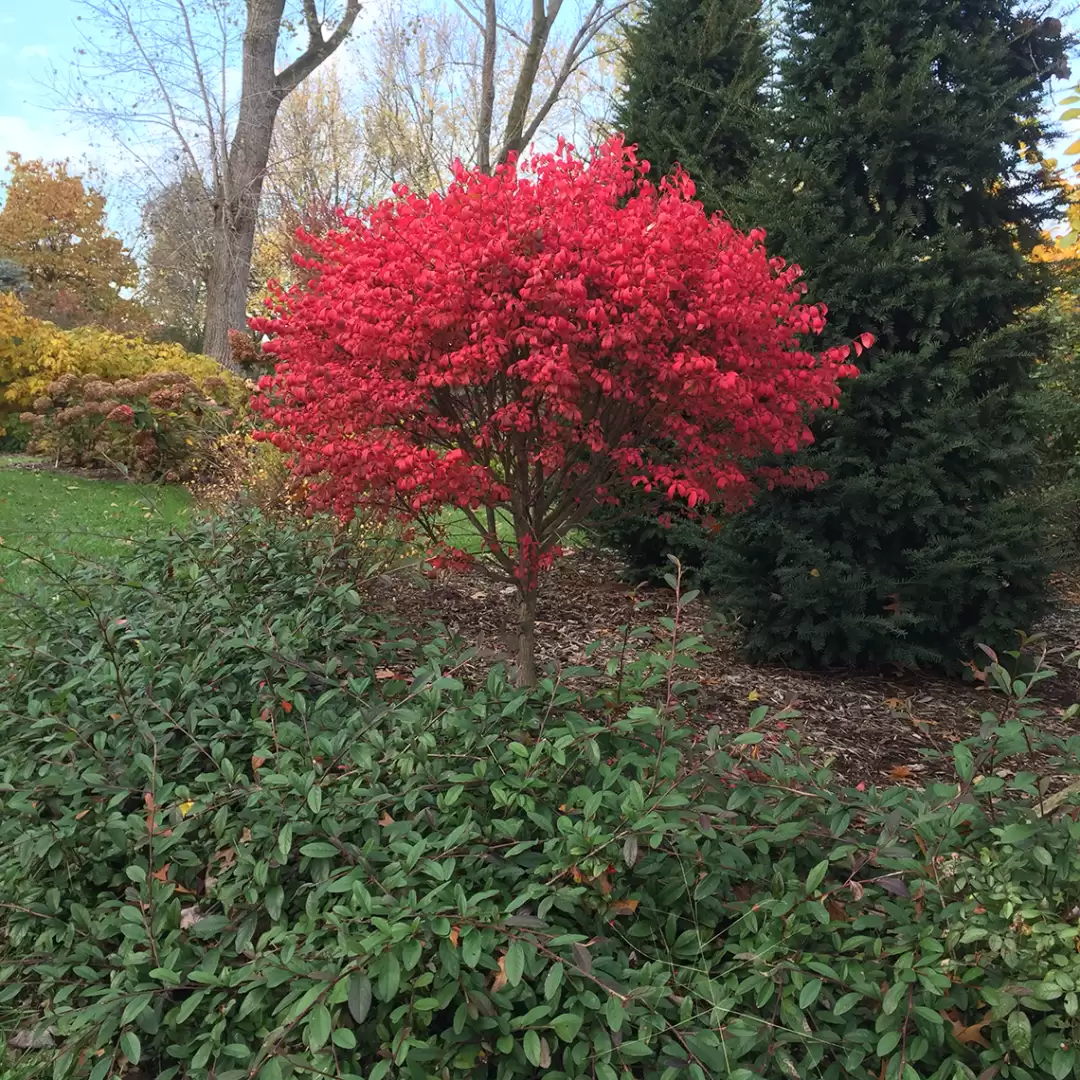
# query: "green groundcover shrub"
(250, 829)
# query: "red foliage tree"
(513, 346)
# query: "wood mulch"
(871, 727)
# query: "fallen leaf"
(895, 703)
(900, 772)
(385, 673)
(189, 916)
(287, 706)
(386, 819)
(500, 979)
(971, 1033)
(815, 572)
(257, 763)
(82, 813)
(753, 696)
(162, 874)
(226, 856)
(245, 836)
(624, 907)
(454, 936)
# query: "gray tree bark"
(239, 185)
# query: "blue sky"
(38, 37)
(35, 37)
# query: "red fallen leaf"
(624, 907)
(162, 874)
(900, 772)
(257, 763)
(454, 936)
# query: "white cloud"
(35, 50)
(41, 140)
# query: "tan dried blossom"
(97, 390)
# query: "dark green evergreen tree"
(693, 92)
(692, 96)
(903, 186)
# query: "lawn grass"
(54, 517)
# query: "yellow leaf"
(1073, 148)
(624, 907)
(753, 696)
(815, 572)
(185, 808)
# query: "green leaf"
(1019, 1029)
(847, 1003)
(389, 979)
(271, 1069)
(531, 1045)
(888, 1043)
(567, 1026)
(317, 849)
(274, 900)
(284, 840)
(515, 963)
(318, 1027)
(359, 996)
(553, 981)
(809, 993)
(1061, 1064)
(134, 1007)
(895, 994)
(314, 799)
(344, 1038)
(130, 1047)
(816, 876)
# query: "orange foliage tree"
(53, 225)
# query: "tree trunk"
(240, 188)
(526, 654)
(227, 291)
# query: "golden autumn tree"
(53, 225)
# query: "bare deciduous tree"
(178, 232)
(319, 164)
(169, 66)
(480, 79)
(547, 56)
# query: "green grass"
(54, 517)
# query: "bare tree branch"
(318, 49)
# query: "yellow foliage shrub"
(34, 353)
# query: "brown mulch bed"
(871, 726)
